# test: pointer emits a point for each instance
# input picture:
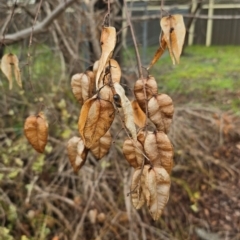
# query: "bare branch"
(39, 28)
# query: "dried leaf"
(158, 183)
(77, 153)
(159, 52)
(82, 86)
(108, 42)
(151, 89)
(159, 150)
(133, 152)
(36, 131)
(160, 111)
(102, 146)
(138, 114)
(95, 120)
(127, 110)
(139, 192)
(8, 61)
(174, 33)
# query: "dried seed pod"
(82, 86)
(151, 89)
(105, 93)
(101, 217)
(102, 146)
(108, 42)
(158, 183)
(133, 153)
(160, 111)
(36, 131)
(139, 191)
(159, 150)
(115, 70)
(77, 153)
(8, 61)
(174, 34)
(95, 119)
(127, 110)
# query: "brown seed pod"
(77, 153)
(151, 89)
(102, 146)
(158, 183)
(36, 131)
(138, 114)
(133, 154)
(159, 150)
(95, 119)
(82, 86)
(160, 111)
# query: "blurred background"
(41, 197)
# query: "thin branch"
(40, 27)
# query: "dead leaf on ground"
(151, 87)
(158, 183)
(159, 150)
(102, 146)
(174, 33)
(8, 61)
(160, 111)
(95, 119)
(138, 114)
(77, 153)
(36, 131)
(108, 42)
(133, 152)
(127, 110)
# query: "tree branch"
(39, 28)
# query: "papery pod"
(127, 110)
(114, 70)
(8, 61)
(36, 131)
(138, 114)
(158, 183)
(151, 89)
(139, 193)
(105, 93)
(108, 42)
(91, 78)
(159, 150)
(95, 119)
(133, 152)
(82, 86)
(141, 136)
(174, 33)
(77, 153)
(160, 111)
(95, 67)
(102, 146)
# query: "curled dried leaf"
(138, 114)
(102, 146)
(158, 183)
(82, 86)
(95, 119)
(151, 89)
(133, 152)
(159, 52)
(174, 33)
(77, 153)
(36, 131)
(160, 111)
(108, 42)
(159, 150)
(8, 61)
(127, 110)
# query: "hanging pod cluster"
(151, 155)
(100, 94)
